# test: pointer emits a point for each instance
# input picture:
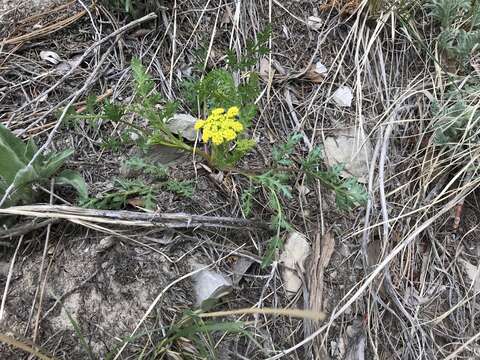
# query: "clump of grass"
(199, 334)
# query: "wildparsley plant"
(228, 108)
(349, 194)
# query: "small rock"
(293, 257)
(183, 124)
(265, 69)
(303, 190)
(50, 56)
(240, 267)
(134, 136)
(473, 274)
(314, 22)
(210, 285)
(156, 154)
(343, 96)
(165, 155)
(352, 148)
(320, 68)
(105, 244)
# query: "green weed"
(199, 333)
(15, 155)
(230, 108)
(348, 192)
(126, 189)
(460, 26)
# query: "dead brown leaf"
(313, 75)
(473, 274)
(265, 69)
(136, 202)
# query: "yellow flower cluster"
(220, 126)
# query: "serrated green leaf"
(182, 188)
(90, 104)
(149, 200)
(247, 201)
(143, 82)
(281, 153)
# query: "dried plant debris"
(323, 248)
(240, 268)
(50, 56)
(473, 274)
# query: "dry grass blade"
(31, 349)
(294, 313)
(47, 30)
(23, 229)
(416, 294)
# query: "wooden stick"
(131, 218)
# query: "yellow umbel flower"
(229, 134)
(220, 126)
(233, 111)
(199, 124)
(217, 111)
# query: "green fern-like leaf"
(448, 11)
(276, 181)
(181, 188)
(113, 112)
(247, 201)
(143, 82)
(281, 153)
(254, 50)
